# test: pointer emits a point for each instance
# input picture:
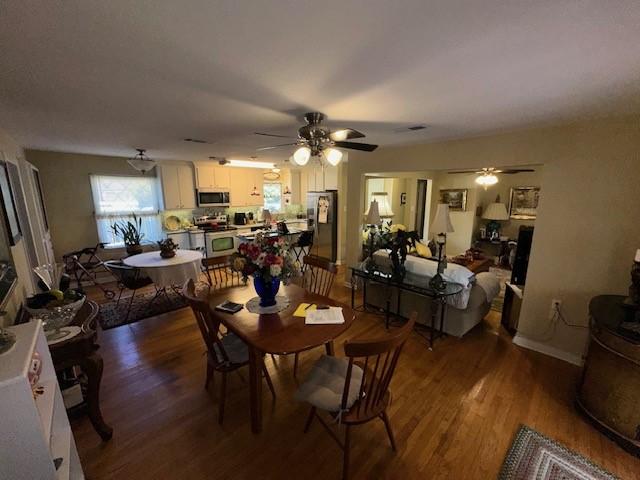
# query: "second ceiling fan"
(487, 176)
(316, 140)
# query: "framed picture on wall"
(456, 198)
(8, 204)
(523, 203)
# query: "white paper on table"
(331, 315)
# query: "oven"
(221, 243)
(213, 198)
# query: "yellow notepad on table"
(302, 309)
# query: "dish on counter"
(172, 223)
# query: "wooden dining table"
(275, 333)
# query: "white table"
(168, 272)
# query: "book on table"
(327, 316)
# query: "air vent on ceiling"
(412, 128)
(195, 140)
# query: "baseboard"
(547, 350)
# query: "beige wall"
(13, 153)
(67, 192)
(586, 230)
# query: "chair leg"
(209, 375)
(312, 414)
(295, 365)
(387, 424)
(345, 464)
(223, 390)
(267, 377)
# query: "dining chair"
(225, 353)
(219, 272)
(128, 278)
(317, 277)
(355, 389)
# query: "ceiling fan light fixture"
(141, 162)
(302, 155)
(333, 156)
(487, 179)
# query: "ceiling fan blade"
(276, 146)
(345, 134)
(365, 147)
(466, 171)
(515, 170)
(272, 135)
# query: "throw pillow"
(423, 251)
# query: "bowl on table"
(55, 318)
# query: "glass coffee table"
(409, 282)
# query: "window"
(272, 196)
(116, 198)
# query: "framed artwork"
(456, 198)
(8, 204)
(523, 203)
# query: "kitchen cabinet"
(178, 189)
(211, 175)
(242, 182)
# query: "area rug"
(503, 277)
(535, 457)
(112, 316)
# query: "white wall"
(586, 231)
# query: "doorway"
(423, 210)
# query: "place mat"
(69, 332)
(282, 302)
(535, 457)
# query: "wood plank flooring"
(454, 412)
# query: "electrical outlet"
(555, 307)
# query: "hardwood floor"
(454, 410)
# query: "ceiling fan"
(487, 176)
(316, 140)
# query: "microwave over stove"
(213, 198)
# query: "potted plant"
(167, 248)
(131, 234)
(269, 261)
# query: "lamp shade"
(496, 211)
(384, 208)
(373, 213)
(442, 222)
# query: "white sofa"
(464, 311)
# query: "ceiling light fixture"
(249, 164)
(141, 162)
(333, 156)
(302, 155)
(486, 180)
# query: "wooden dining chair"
(317, 277)
(225, 353)
(219, 272)
(355, 390)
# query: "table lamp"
(495, 211)
(441, 226)
(372, 220)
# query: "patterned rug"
(535, 457)
(503, 277)
(111, 317)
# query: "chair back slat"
(209, 326)
(318, 275)
(375, 380)
(219, 272)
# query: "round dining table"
(275, 333)
(168, 272)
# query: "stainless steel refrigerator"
(322, 217)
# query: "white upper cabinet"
(178, 190)
(212, 175)
(330, 178)
(241, 183)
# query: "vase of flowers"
(269, 261)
